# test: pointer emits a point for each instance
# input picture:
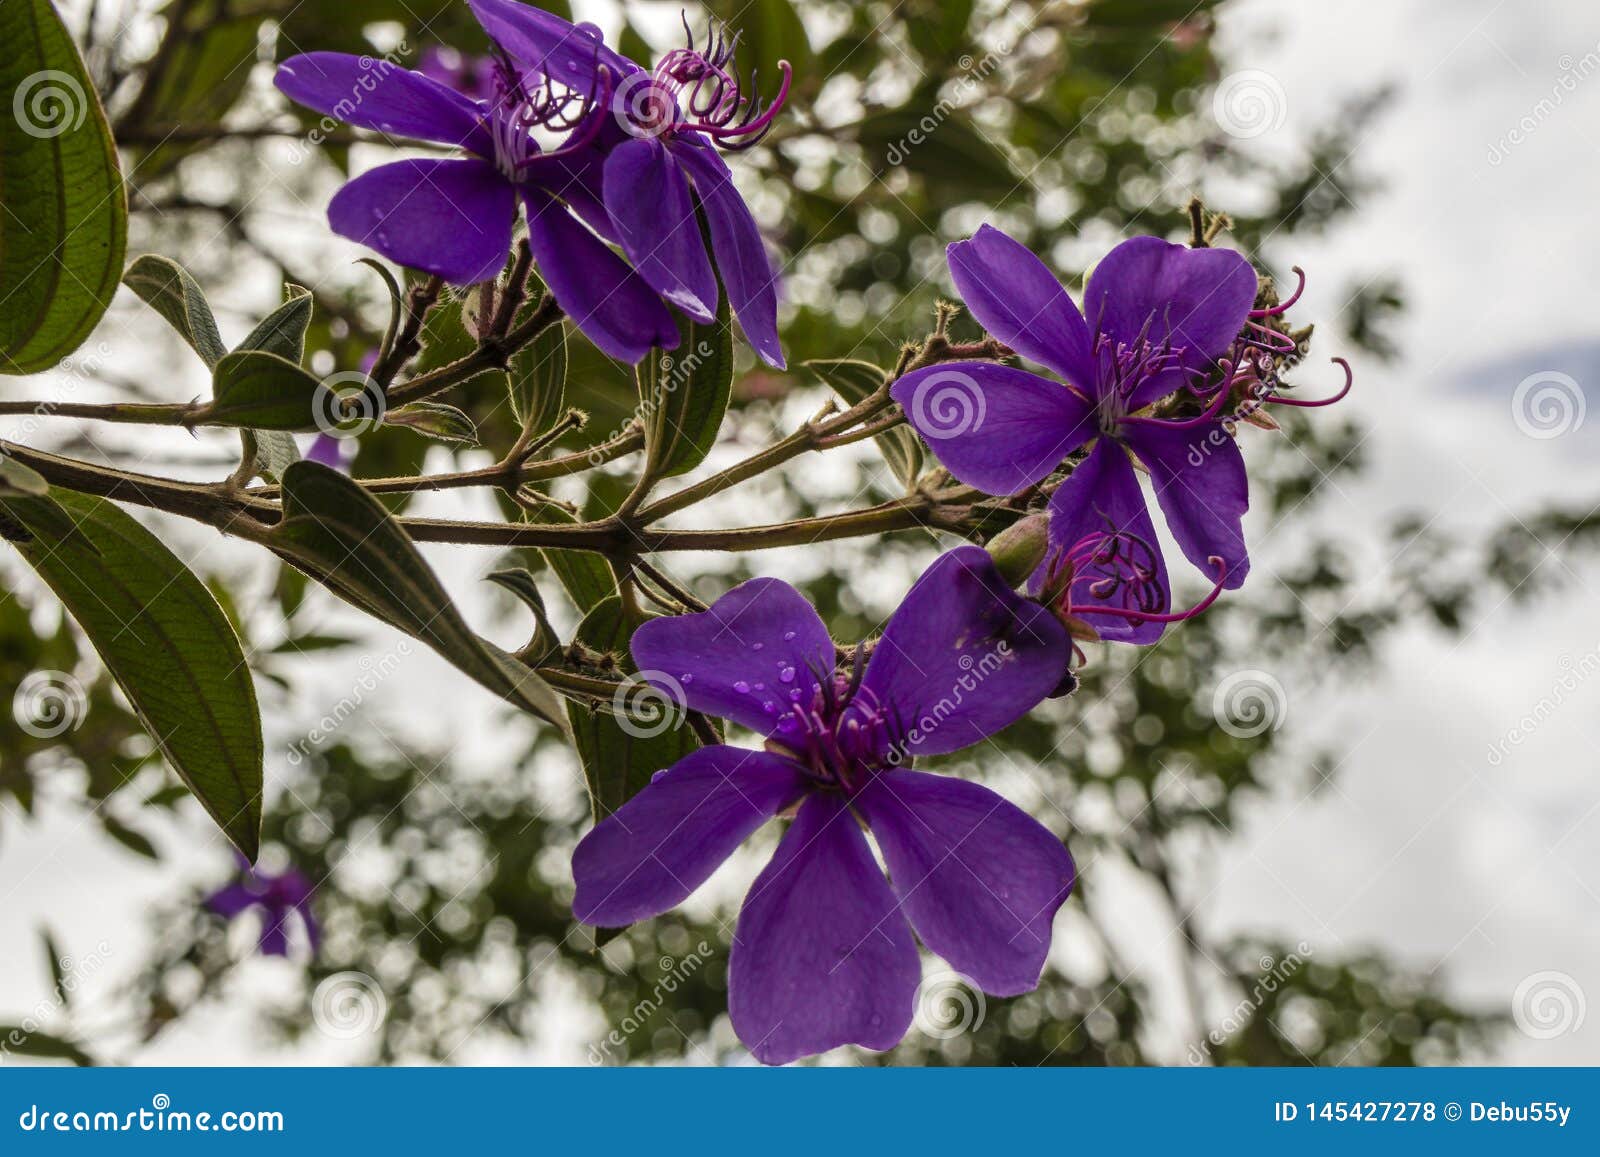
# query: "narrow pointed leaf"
(169, 289)
(344, 538)
(262, 391)
(63, 210)
(164, 639)
(685, 392)
(436, 420)
(283, 331)
(537, 377)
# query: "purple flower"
(279, 897)
(471, 76)
(1160, 318)
(823, 954)
(329, 451)
(453, 217)
(655, 156)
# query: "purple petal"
(821, 957)
(275, 933)
(1201, 485)
(1102, 496)
(375, 94)
(963, 656)
(328, 450)
(451, 218)
(1016, 298)
(656, 849)
(569, 53)
(605, 299)
(313, 926)
(995, 427)
(648, 198)
(1196, 298)
(747, 272)
(578, 178)
(755, 652)
(232, 899)
(979, 879)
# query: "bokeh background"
(1347, 817)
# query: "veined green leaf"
(169, 289)
(262, 391)
(538, 379)
(283, 331)
(344, 538)
(685, 394)
(164, 639)
(648, 732)
(436, 420)
(63, 210)
(855, 381)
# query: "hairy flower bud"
(1019, 549)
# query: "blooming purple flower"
(1160, 316)
(329, 451)
(823, 954)
(656, 147)
(471, 76)
(453, 217)
(280, 897)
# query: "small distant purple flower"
(471, 76)
(655, 147)
(1160, 317)
(823, 954)
(453, 217)
(280, 897)
(329, 451)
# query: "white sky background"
(1424, 847)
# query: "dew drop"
(757, 646)
(742, 687)
(788, 636)
(786, 675)
(770, 707)
(794, 693)
(760, 686)
(686, 679)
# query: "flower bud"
(1019, 549)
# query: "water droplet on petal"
(760, 686)
(757, 646)
(770, 707)
(655, 775)
(794, 693)
(742, 687)
(686, 679)
(788, 636)
(786, 675)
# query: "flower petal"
(995, 427)
(605, 298)
(656, 849)
(962, 657)
(747, 272)
(232, 899)
(275, 932)
(979, 878)
(1200, 482)
(1017, 299)
(375, 94)
(1197, 298)
(821, 958)
(570, 53)
(451, 218)
(754, 652)
(1102, 496)
(648, 198)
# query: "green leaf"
(283, 331)
(261, 391)
(16, 1039)
(436, 420)
(19, 480)
(855, 381)
(53, 959)
(684, 394)
(135, 841)
(587, 577)
(344, 538)
(538, 380)
(619, 754)
(276, 451)
(169, 289)
(63, 210)
(164, 639)
(769, 31)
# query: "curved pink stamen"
(1307, 404)
(1172, 617)
(1283, 306)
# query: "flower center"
(517, 109)
(841, 735)
(1124, 367)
